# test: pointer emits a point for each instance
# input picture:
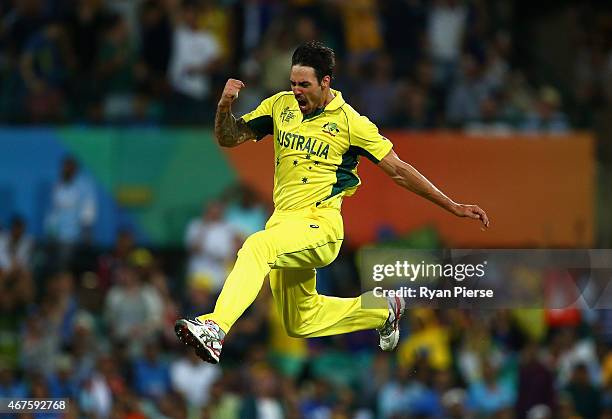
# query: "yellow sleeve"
(369, 142)
(261, 120)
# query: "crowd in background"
(414, 64)
(96, 326)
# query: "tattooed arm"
(230, 131)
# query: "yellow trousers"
(292, 246)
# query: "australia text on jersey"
(301, 143)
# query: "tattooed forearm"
(230, 131)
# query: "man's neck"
(328, 98)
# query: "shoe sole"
(187, 337)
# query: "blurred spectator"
(275, 54)
(133, 310)
(171, 405)
(454, 403)
(362, 31)
(492, 393)
(96, 395)
(413, 110)
(46, 63)
(275, 58)
(546, 117)
(40, 390)
(128, 10)
(477, 347)
(211, 243)
(489, 120)
(405, 22)
(155, 51)
(73, 212)
(428, 339)
(318, 401)
(118, 256)
(61, 301)
(11, 386)
(115, 71)
(39, 344)
(497, 67)
(264, 402)
(535, 385)
(216, 20)
(519, 97)
(506, 332)
(16, 284)
(223, 403)
(393, 398)
(540, 411)
(566, 351)
(85, 23)
(151, 373)
(245, 211)
(379, 92)
(410, 394)
(62, 382)
(15, 248)
(592, 77)
(170, 307)
(127, 405)
(445, 31)
(194, 54)
(84, 347)
(194, 379)
(464, 100)
(22, 22)
(586, 398)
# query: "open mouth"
(302, 102)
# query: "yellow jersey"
(316, 156)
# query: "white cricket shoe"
(389, 332)
(205, 337)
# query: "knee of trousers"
(295, 328)
(295, 331)
(259, 243)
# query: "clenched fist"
(230, 92)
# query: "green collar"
(311, 115)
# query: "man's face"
(307, 90)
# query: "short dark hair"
(316, 55)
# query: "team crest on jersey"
(287, 115)
(331, 128)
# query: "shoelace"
(387, 328)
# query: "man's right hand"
(230, 92)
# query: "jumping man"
(318, 139)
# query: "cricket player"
(318, 140)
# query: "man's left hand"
(472, 211)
